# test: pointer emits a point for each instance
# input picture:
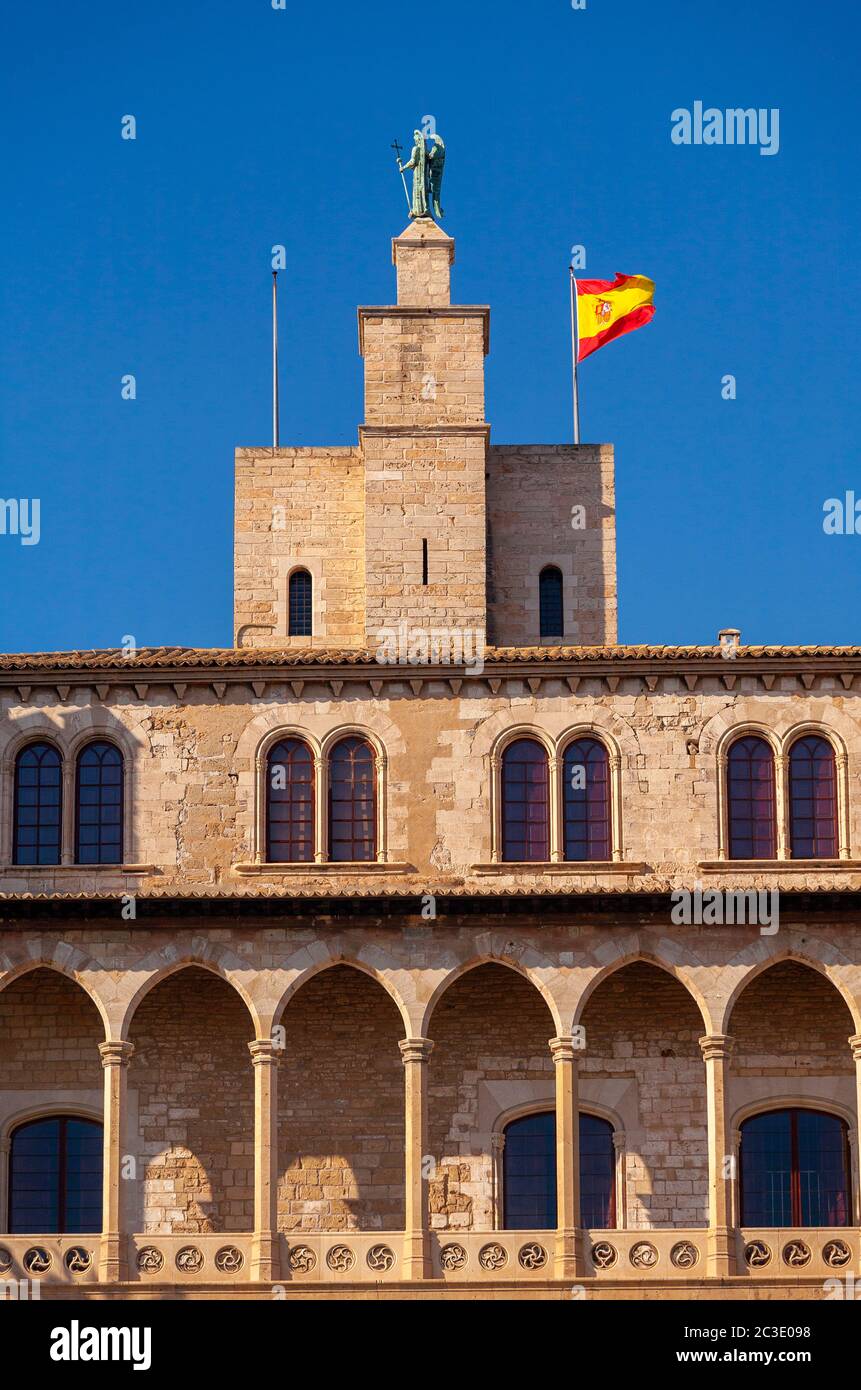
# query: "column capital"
(415, 1049)
(562, 1049)
(116, 1054)
(264, 1052)
(716, 1046)
(855, 1044)
(497, 1141)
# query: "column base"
(265, 1258)
(570, 1257)
(417, 1255)
(113, 1262)
(722, 1252)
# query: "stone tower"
(425, 525)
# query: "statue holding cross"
(427, 166)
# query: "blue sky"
(258, 126)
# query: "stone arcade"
(412, 1016)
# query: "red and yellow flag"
(608, 308)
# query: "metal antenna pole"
(275, 421)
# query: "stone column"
(416, 1255)
(265, 1264)
(113, 1253)
(569, 1262)
(716, 1048)
(855, 1178)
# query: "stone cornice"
(185, 668)
(424, 311)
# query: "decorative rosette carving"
(229, 1259)
(684, 1255)
(492, 1256)
(340, 1259)
(757, 1254)
(380, 1258)
(5, 1260)
(604, 1255)
(644, 1255)
(189, 1259)
(302, 1259)
(796, 1254)
(77, 1260)
(452, 1256)
(836, 1254)
(37, 1260)
(532, 1256)
(150, 1260)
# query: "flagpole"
(275, 421)
(575, 352)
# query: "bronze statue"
(427, 170)
(418, 164)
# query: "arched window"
(99, 805)
(37, 815)
(525, 803)
(586, 800)
(551, 618)
(300, 622)
(750, 799)
(529, 1173)
(55, 1177)
(812, 800)
(290, 803)
(352, 801)
(794, 1170)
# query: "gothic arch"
(215, 960)
(757, 958)
(76, 968)
(492, 957)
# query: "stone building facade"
(305, 1070)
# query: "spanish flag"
(608, 308)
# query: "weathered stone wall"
(341, 1108)
(491, 1026)
(192, 1081)
(299, 508)
(788, 1024)
(192, 765)
(642, 1027)
(551, 505)
(49, 1035)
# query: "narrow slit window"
(551, 619)
(300, 617)
(424, 561)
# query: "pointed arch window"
(300, 605)
(525, 802)
(551, 617)
(352, 801)
(813, 799)
(529, 1173)
(794, 1169)
(55, 1177)
(586, 801)
(37, 814)
(290, 803)
(751, 799)
(99, 805)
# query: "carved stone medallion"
(340, 1258)
(189, 1259)
(229, 1259)
(452, 1256)
(302, 1259)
